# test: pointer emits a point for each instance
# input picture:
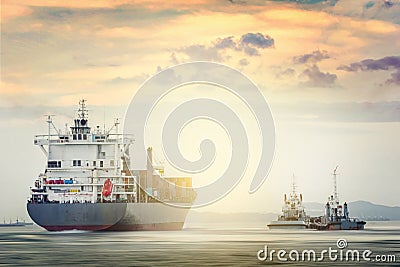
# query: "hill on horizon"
(361, 209)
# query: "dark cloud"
(313, 57)
(385, 63)
(257, 40)
(316, 78)
(388, 3)
(249, 43)
(222, 43)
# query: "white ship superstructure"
(80, 161)
(87, 183)
(293, 213)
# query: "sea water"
(196, 245)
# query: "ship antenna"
(293, 185)
(335, 194)
(82, 112)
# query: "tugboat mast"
(335, 194)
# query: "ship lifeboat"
(107, 188)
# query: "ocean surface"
(196, 245)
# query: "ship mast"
(335, 194)
(293, 185)
(82, 112)
(49, 122)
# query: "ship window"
(101, 163)
(112, 163)
(76, 163)
(54, 164)
(94, 163)
(74, 136)
(79, 136)
(84, 137)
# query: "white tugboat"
(293, 214)
(87, 184)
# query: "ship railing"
(86, 184)
(45, 139)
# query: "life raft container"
(107, 188)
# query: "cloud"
(289, 72)
(385, 63)
(313, 57)
(243, 62)
(227, 42)
(316, 78)
(249, 43)
(395, 78)
(202, 52)
(257, 40)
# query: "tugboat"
(336, 216)
(87, 184)
(293, 214)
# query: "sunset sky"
(330, 70)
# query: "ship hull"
(107, 216)
(76, 216)
(341, 225)
(151, 216)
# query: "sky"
(330, 71)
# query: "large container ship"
(87, 183)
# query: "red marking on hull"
(147, 227)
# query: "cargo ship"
(337, 216)
(293, 213)
(87, 183)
